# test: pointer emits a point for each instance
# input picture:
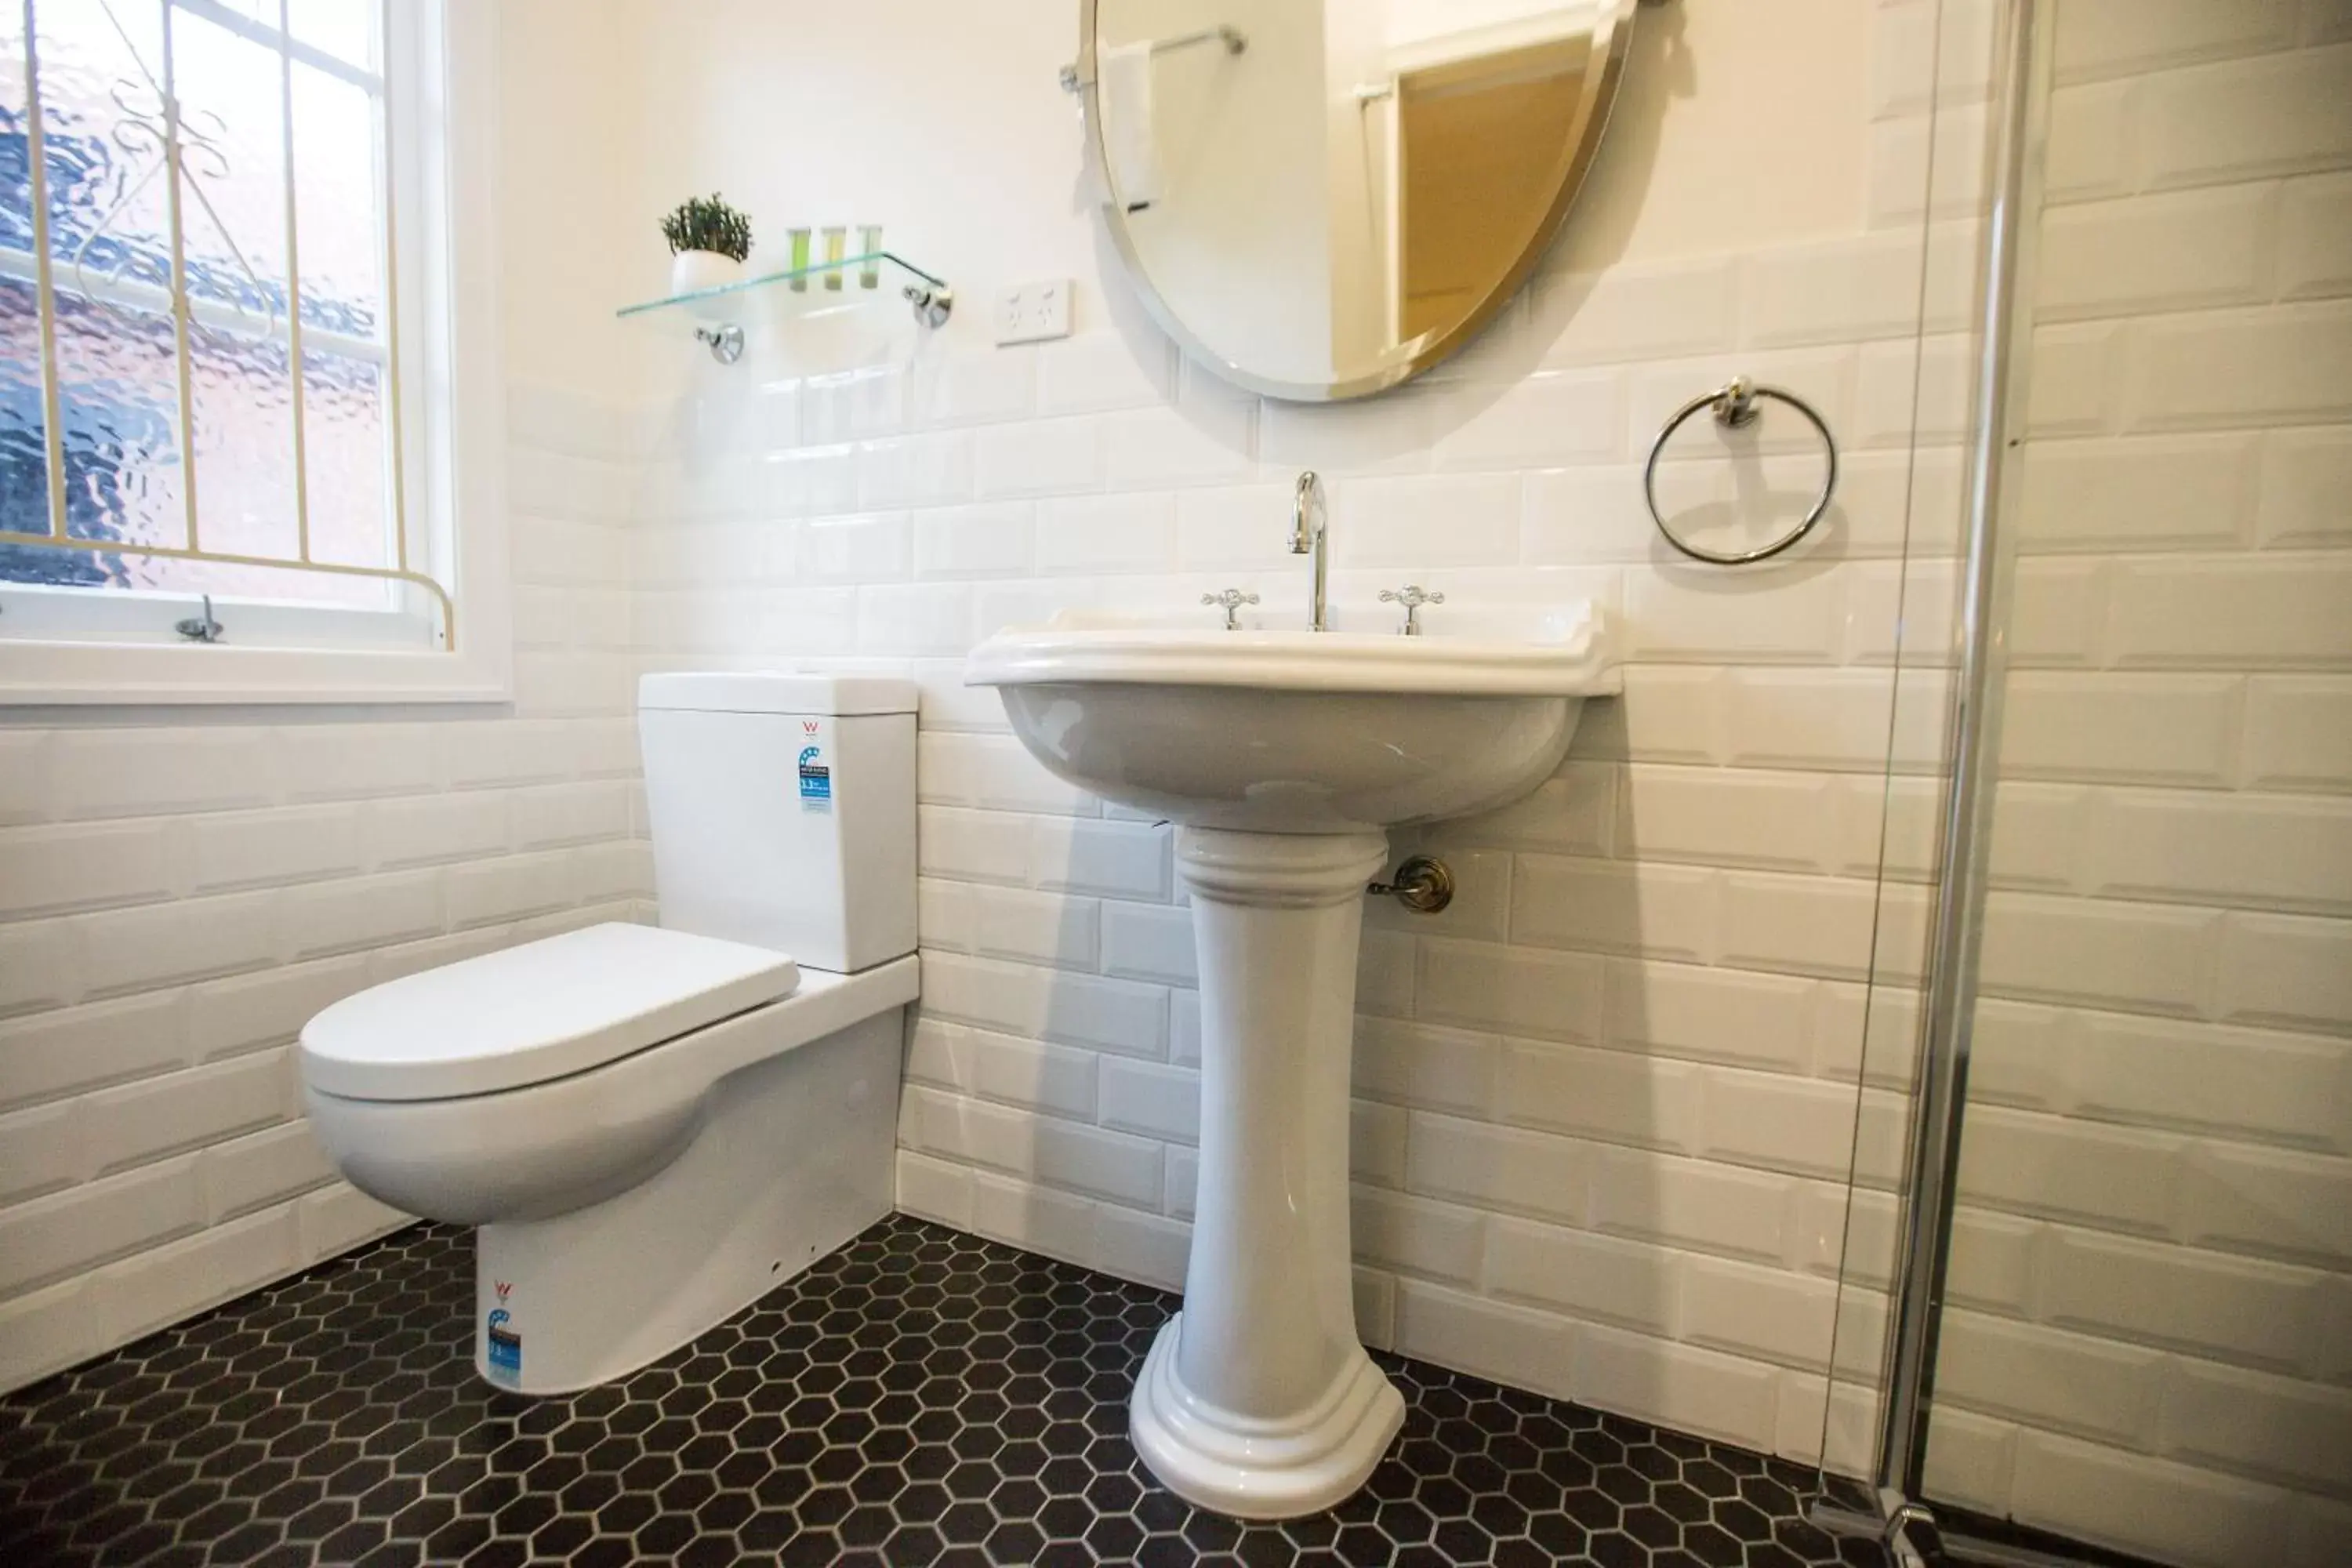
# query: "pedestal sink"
(1284, 757)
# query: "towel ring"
(1735, 408)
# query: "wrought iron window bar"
(40, 268)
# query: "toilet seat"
(545, 1149)
(533, 1014)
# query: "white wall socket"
(1032, 312)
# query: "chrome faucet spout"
(1312, 537)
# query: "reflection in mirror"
(1320, 198)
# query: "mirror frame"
(1611, 37)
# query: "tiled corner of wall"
(2153, 1357)
(177, 897)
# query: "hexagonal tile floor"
(920, 1397)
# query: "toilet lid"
(526, 1015)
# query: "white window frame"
(440, 80)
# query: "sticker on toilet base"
(504, 1346)
(816, 780)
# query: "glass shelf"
(928, 293)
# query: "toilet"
(651, 1126)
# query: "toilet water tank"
(782, 811)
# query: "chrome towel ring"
(1735, 408)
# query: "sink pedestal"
(1283, 755)
(1257, 1400)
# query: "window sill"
(126, 674)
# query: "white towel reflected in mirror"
(1130, 143)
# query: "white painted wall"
(180, 889)
(571, 138)
(1754, 125)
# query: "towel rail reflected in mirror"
(1346, 192)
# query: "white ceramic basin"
(1285, 756)
(1281, 731)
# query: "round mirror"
(1321, 199)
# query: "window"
(229, 279)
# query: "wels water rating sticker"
(816, 780)
(501, 1341)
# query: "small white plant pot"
(693, 269)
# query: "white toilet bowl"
(651, 1127)
(634, 1201)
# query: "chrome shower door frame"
(1901, 1516)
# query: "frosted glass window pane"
(125, 476)
(24, 455)
(335, 186)
(240, 384)
(233, 163)
(24, 452)
(16, 176)
(344, 29)
(118, 397)
(241, 388)
(344, 438)
(102, 116)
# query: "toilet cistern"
(650, 1127)
(1307, 500)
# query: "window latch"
(200, 628)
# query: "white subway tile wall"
(2155, 1354)
(1606, 1104)
(177, 897)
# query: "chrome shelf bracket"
(726, 343)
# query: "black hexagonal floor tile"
(921, 1396)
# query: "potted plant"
(707, 241)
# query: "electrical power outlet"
(1032, 312)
